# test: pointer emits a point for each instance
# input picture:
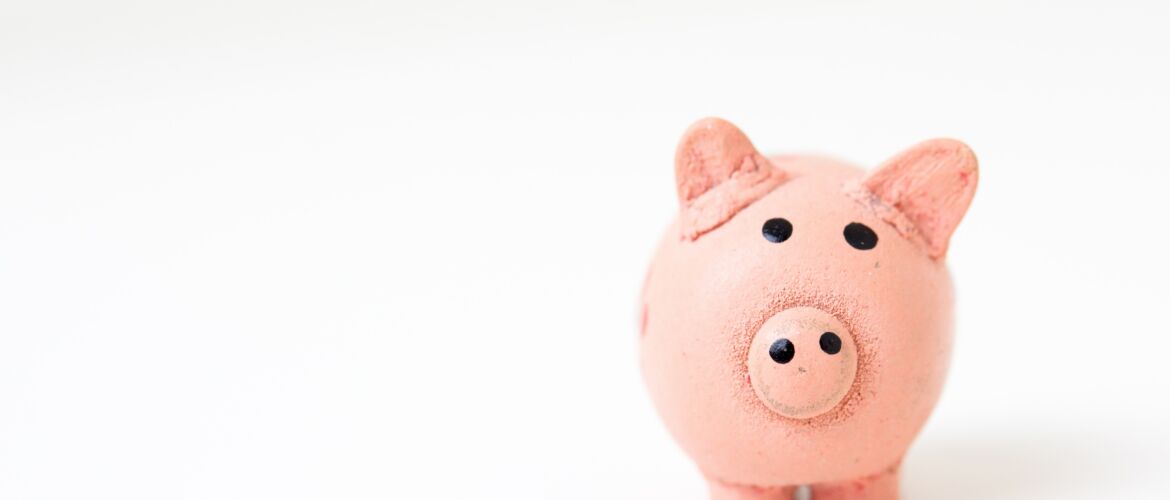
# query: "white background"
(359, 250)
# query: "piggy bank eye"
(777, 230)
(860, 236)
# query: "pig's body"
(837, 415)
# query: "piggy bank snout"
(802, 362)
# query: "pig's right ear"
(924, 191)
(718, 173)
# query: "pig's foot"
(726, 491)
(880, 486)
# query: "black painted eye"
(782, 351)
(860, 236)
(777, 230)
(830, 343)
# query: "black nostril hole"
(782, 351)
(830, 343)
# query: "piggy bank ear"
(718, 173)
(929, 186)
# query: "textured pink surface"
(924, 191)
(811, 384)
(719, 172)
(718, 293)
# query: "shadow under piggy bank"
(1018, 467)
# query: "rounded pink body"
(709, 296)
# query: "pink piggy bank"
(796, 320)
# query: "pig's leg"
(725, 491)
(881, 486)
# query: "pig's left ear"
(718, 172)
(929, 186)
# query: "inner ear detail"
(718, 172)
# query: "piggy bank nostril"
(808, 385)
(830, 343)
(782, 351)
